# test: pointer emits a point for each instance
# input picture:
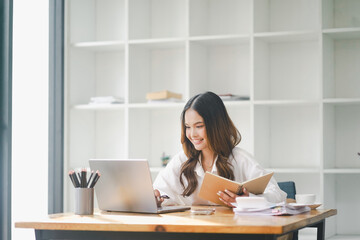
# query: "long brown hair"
(222, 137)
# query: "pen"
(165, 197)
(162, 196)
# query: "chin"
(199, 148)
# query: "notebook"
(213, 183)
(126, 186)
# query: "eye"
(200, 126)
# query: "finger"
(159, 201)
(226, 203)
(224, 196)
(227, 198)
(245, 192)
(231, 194)
(157, 193)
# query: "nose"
(193, 132)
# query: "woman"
(209, 140)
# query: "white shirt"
(244, 167)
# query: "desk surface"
(222, 221)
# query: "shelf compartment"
(153, 69)
(341, 73)
(340, 13)
(241, 117)
(341, 136)
(96, 134)
(269, 15)
(219, 17)
(287, 136)
(284, 71)
(97, 20)
(153, 132)
(221, 67)
(150, 19)
(102, 74)
(339, 194)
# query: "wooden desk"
(223, 224)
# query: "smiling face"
(196, 130)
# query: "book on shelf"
(213, 183)
(106, 100)
(163, 95)
(232, 97)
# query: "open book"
(213, 183)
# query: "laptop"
(125, 185)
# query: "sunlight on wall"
(30, 113)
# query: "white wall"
(30, 113)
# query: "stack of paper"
(272, 210)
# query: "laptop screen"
(125, 185)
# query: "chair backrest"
(289, 188)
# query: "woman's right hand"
(158, 198)
(228, 197)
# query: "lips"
(197, 141)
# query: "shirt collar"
(199, 169)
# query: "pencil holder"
(84, 201)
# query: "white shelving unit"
(297, 61)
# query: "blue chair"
(289, 188)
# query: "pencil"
(88, 182)
(96, 178)
(83, 178)
(76, 180)
(72, 180)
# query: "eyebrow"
(200, 122)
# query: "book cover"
(213, 183)
(162, 95)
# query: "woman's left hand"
(228, 197)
